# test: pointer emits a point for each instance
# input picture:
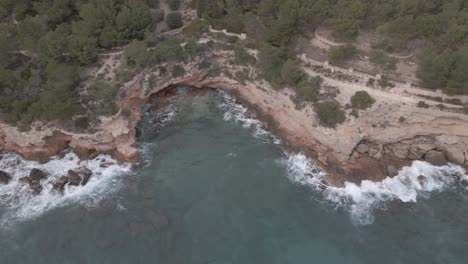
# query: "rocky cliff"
(371, 147)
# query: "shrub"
(82, 122)
(104, 95)
(384, 83)
(422, 104)
(136, 53)
(243, 57)
(305, 91)
(309, 89)
(242, 75)
(178, 71)
(174, 4)
(370, 82)
(162, 70)
(158, 15)
(362, 100)
(330, 114)
(174, 20)
(153, 3)
(126, 113)
(342, 53)
(196, 27)
(204, 65)
(381, 59)
(291, 74)
(454, 101)
(232, 39)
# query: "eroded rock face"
(448, 139)
(455, 155)
(401, 152)
(415, 153)
(117, 135)
(4, 177)
(436, 158)
(392, 170)
(362, 148)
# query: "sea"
(216, 187)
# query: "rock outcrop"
(436, 158)
(37, 175)
(371, 147)
(59, 185)
(34, 180)
(4, 177)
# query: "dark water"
(213, 193)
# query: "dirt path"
(400, 92)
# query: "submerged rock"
(37, 174)
(59, 185)
(107, 164)
(422, 180)
(464, 183)
(436, 158)
(34, 185)
(74, 178)
(79, 177)
(25, 180)
(4, 177)
(85, 174)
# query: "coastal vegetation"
(362, 100)
(46, 46)
(174, 20)
(341, 53)
(330, 114)
(380, 59)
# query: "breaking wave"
(415, 182)
(19, 203)
(234, 111)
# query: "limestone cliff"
(379, 142)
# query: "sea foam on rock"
(411, 183)
(234, 111)
(49, 185)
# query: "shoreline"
(299, 168)
(351, 158)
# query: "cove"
(214, 189)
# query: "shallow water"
(217, 188)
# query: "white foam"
(18, 203)
(361, 201)
(237, 113)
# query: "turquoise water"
(214, 191)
